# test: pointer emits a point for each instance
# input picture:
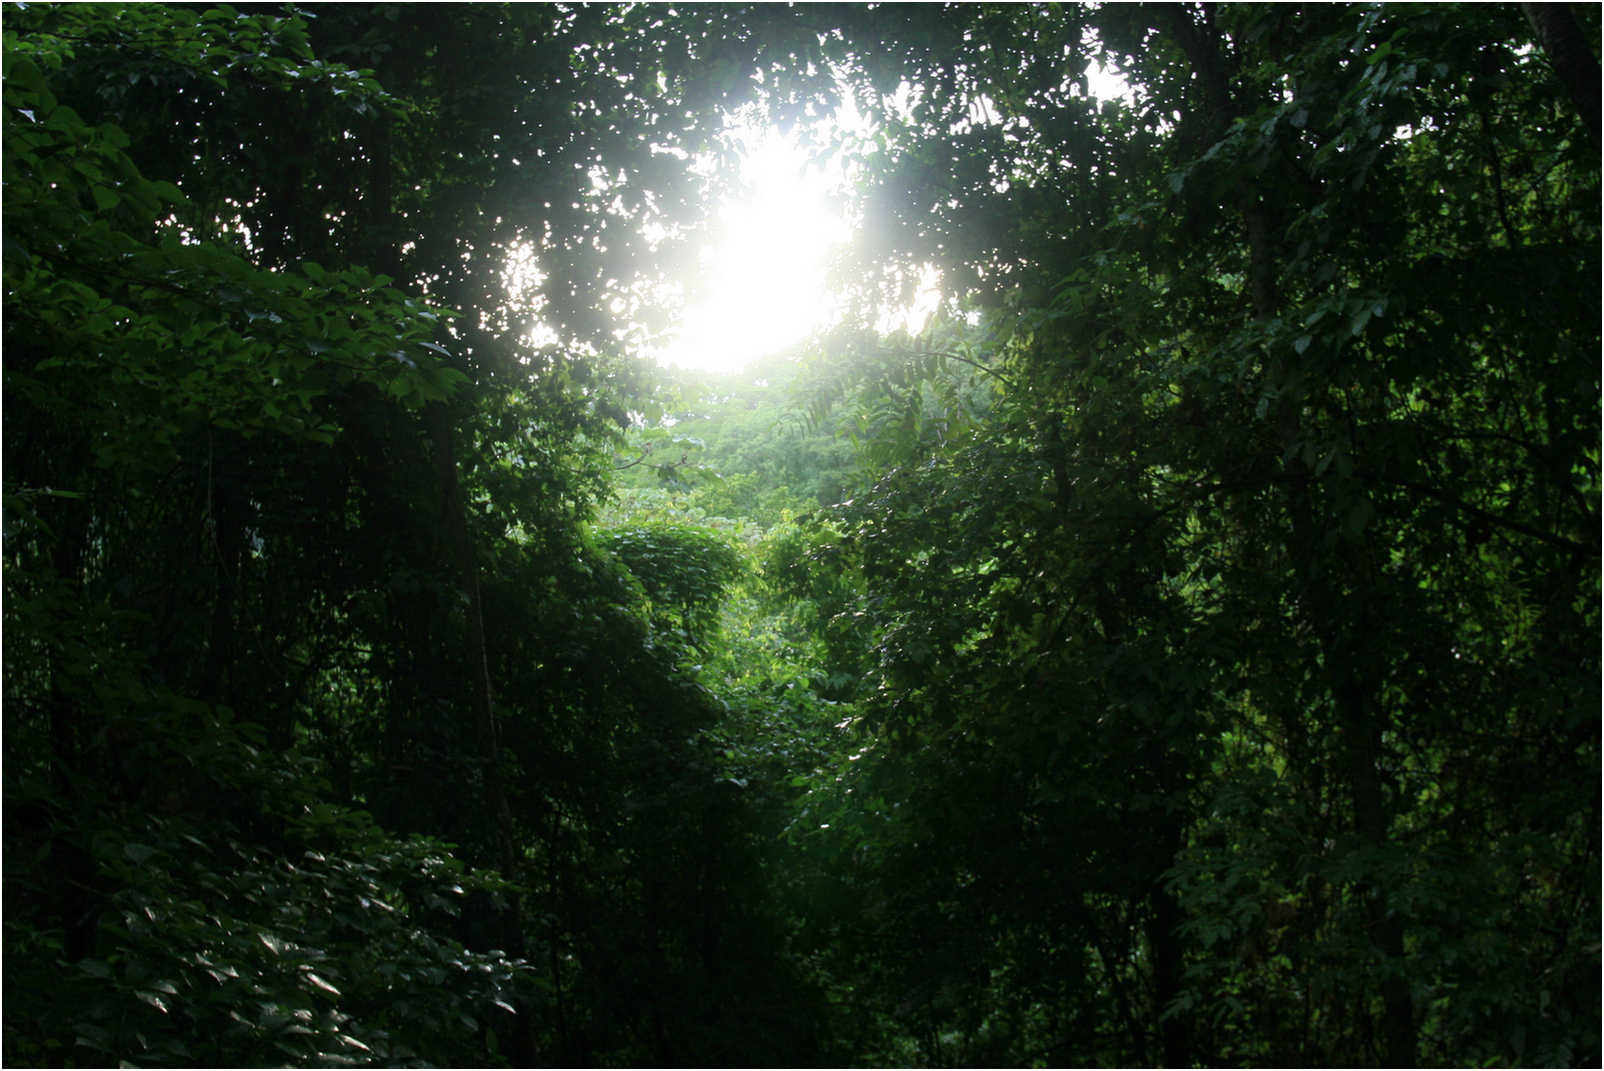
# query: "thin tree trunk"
(460, 548)
(486, 731)
(1353, 678)
(1163, 940)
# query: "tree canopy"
(1183, 650)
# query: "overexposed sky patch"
(764, 267)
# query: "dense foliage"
(1237, 657)
(1184, 651)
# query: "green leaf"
(318, 983)
(153, 999)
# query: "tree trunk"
(1352, 688)
(1353, 676)
(1574, 62)
(477, 665)
(1163, 940)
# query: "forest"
(1182, 649)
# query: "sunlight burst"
(764, 268)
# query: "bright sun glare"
(765, 262)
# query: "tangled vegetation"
(1184, 650)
